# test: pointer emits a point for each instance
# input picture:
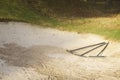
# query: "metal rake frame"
(105, 44)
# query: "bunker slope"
(30, 52)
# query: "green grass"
(15, 10)
(107, 26)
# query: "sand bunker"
(29, 52)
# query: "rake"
(105, 44)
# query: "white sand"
(30, 52)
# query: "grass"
(107, 26)
(15, 10)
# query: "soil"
(30, 52)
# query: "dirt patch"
(26, 57)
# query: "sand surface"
(30, 52)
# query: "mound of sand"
(29, 52)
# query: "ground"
(31, 52)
